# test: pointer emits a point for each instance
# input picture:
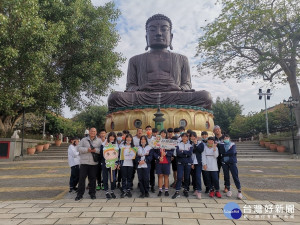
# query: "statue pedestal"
(130, 118)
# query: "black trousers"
(89, 171)
(106, 174)
(74, 178)
(143, 174)
(99, 174)
(152, 173)
(126, 172)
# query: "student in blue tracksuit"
(229, 162)
(198, 148)
(184, 152)
(143, 159)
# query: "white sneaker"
(195, 193)
(198, 195)
(239, 196)
(228, 194)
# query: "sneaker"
(108, 196)
(186, 193)
(123, 194)
(142, 195)
(152, 189)
(228, 194)
(159, 193)
(195, 193)
(225, 190)
(211, 194)
(129, 195)
(167, 193)
(71, 189)
(113, 195)
(93, 197)
(98, 188)
(78, 197)
(198, 195)
(102, 186)
(147, 194)
(176, 195)
(239, 195)
(218, 194)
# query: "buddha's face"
(159, 34)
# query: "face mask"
(177, 135)
(204, 139)
(226, 141)
(209, 145)
(119, 138)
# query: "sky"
(187, 16)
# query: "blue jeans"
(234, 172)
(213, 180)
(183, 170)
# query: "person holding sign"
(109, 156)
(163, 160)
(127, 156)
(184, 152)
(144, 159)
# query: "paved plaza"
(36, 192)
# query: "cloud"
(187, 16)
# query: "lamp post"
(267, 96)
(291, 103)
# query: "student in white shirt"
(73, 159)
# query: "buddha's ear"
(171, 38)
(146, 43)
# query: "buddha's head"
(159, 32)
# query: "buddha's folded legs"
(130, 99)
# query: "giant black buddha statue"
(159, 76)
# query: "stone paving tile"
(129, 214)
(38, 221)
(63, 215)
(215, 222)
(16, 202)
(180, 221)
(10, 221)
(207, 210)
(4, 210)
(257, 202)
(176, 209)
(296, 219)
(280, 223)
(102, 204)
(222, 217)
(109, 220)
(92, 201)
(146, 209)
(147, 200)
(161, 204)
(215, 206)
(76, 205)
(19, 205)
(175, 200)
(40, 201)
(210, 200)
(65, 201)
(224, 201)
(119, 208)
(32, 215)
(8, 215)
(74, 221)
(88, 209)
(128, 200)
(199, 205)
(55, 210)
(3, 205)
(51, 205)
(162, 214)
(144, 221)
(195, 216)
(97, 214)
(239, 222)
(25, 210)
(132, 204)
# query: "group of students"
(192, 157)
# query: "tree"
(255, 39)
(93, 116)
(225, 112)
(55, 53)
